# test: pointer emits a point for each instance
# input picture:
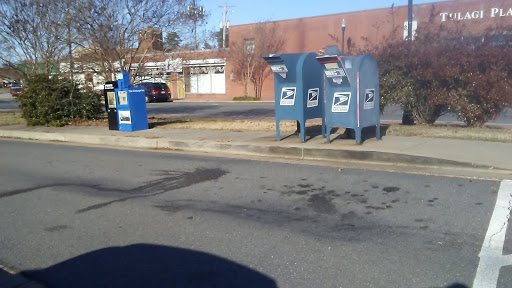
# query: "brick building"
(312, 34)
(211, 75)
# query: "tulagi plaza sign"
(479, 14)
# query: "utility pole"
(224, 24)
(407, 117)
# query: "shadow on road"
(146, 265)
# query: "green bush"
(53, 101)
(441, 71)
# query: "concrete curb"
(246, 149)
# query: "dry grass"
(452, 132)
(11, 118)
(232, 125)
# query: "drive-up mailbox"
(299, 89)
(131, 105)
(351, 91)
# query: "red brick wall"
(312, 34)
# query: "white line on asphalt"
(491, 255)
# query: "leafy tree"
(172, 41)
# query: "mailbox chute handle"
(327, 59)
(272, 57)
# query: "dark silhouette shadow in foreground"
(457, 285)
(145, 265)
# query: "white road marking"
(491, 255)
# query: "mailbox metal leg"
(297, 132)
(377, 132)
(278, 135)
(323, 128)
(328, 134)
(358, 135)
(302, 127)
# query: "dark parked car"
(16, 90)
(156, 91)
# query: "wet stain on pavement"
(390, 189)
(433, 200)
(333, 193)
(322, 204)
(172, 180)
(173, 208)
(56, 228)
(319, 200)
(305, 185)
(375, 207)
(35, 188)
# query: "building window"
(249, 46)
(205, 80)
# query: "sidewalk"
(396, 150)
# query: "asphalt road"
(176, 217)
(243, 110)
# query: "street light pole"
(343, 25)
(409, 24)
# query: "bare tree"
(109, 30)
(247, 55)
(32, 34)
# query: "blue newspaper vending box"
(298, 88)
(131, 105)
(351, 92)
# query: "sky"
(251, 11)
